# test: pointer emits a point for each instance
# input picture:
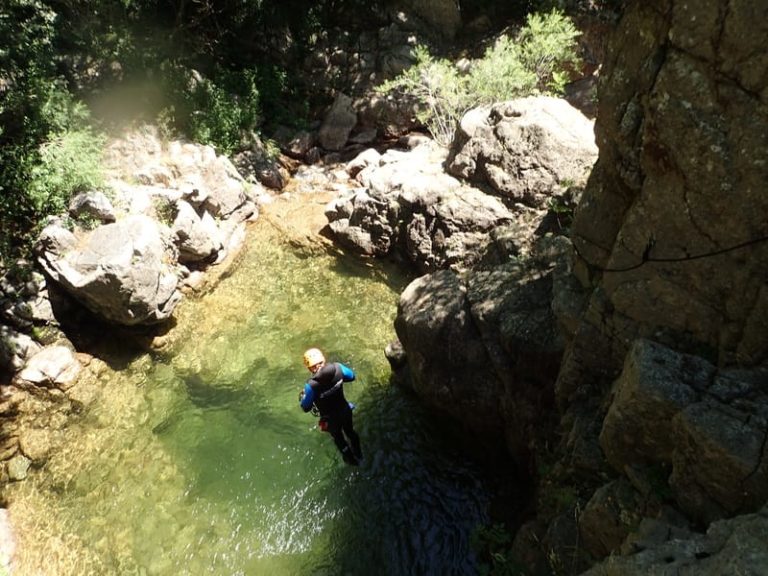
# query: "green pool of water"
(199, 461)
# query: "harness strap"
(333, 389)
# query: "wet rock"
(18, 467)
(35, 444)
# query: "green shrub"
(500, 74)
(216, 110)
(70, 162)
(547, 48)
(535, 61)
(440, 90)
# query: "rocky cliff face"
(670, 246)
(671, 229)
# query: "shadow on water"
(412, 506)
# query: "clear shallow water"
(200, 461)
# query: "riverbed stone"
(35, 444)
(18, 467)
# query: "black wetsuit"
(326, 390)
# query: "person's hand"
(301, 395)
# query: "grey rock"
(338, 123)
(655, 385)
(121, 271)
(53, 366)
(526, 149)
(711, 427)
(93, 204)
(194, 239)
(735, 546)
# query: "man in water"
(325, 390)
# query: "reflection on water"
(201, 462)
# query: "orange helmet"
(313, 357)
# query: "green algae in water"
(201, 462)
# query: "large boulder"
(410, 207)
(446, 353)
(124, 272)
(484, 348)
(338, 123)
(528, 150)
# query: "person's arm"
(307, 398)
(347, 373)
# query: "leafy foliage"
(215, 110)
(535, 61)
(547, 45)
(440, 89)
(70, 162)
(44, 141)
(501, 74)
